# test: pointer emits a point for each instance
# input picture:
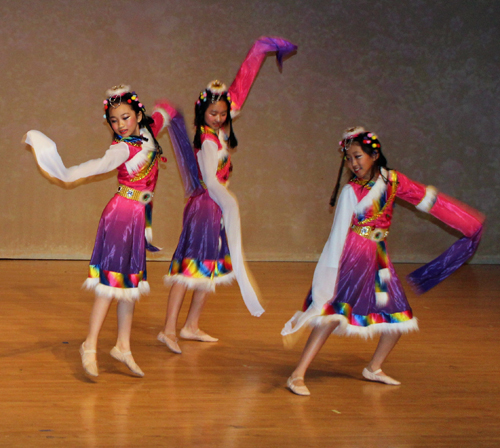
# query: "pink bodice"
(146, 176)
(224, 165)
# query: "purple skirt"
(202, 258)
(355, 303)
(118, 264)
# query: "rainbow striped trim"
(381, 203)
(205, 269)
(358, 320)
(383, 261)
(116, 279)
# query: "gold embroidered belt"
(371, 233)
(144, 197)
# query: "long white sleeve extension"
(325, 274)
(208, 162)
(50, 161)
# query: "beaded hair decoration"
(216, 89)
(115, 96)
(369, 138)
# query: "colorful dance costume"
(355, 282)
(209, 250)
(202, 257)
(118, 264)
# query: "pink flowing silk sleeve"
(453, 213)
(251, 65)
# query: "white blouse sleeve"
(208, 162)
(325, 274)
(49, 160)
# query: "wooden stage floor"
(232, 394)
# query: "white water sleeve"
(208, 162)
(50, 161)
(325, 274)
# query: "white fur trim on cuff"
(429, 199)
(165, 115)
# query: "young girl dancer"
(209, 250)
(118, 264)
(355, 290)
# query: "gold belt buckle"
(371, 233)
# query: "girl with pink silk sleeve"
(355, 289)
(209, 251)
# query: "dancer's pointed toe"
(89, 362)
(127, 359)
(297, 389)
(170, 340)
(197, 335)
(375, 376)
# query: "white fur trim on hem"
(110, 292)
(429, 199)
(345, 329)
(199, 283)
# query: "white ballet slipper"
(127, 359)
(299, 390)
(196, 336)
(374, 376)
(89, 365)
(171, 343)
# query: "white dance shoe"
(375, 376)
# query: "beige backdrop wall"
(422, 74)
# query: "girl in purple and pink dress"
(355, 290)
(209, 252)
(118, 265)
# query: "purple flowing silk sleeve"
(251, 65)
(184, 154)
(462, 218)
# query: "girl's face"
(124, 120)
(216, 115)
(359, 162)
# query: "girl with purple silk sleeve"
(209, 251)
(118, 265)
(355, 290)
